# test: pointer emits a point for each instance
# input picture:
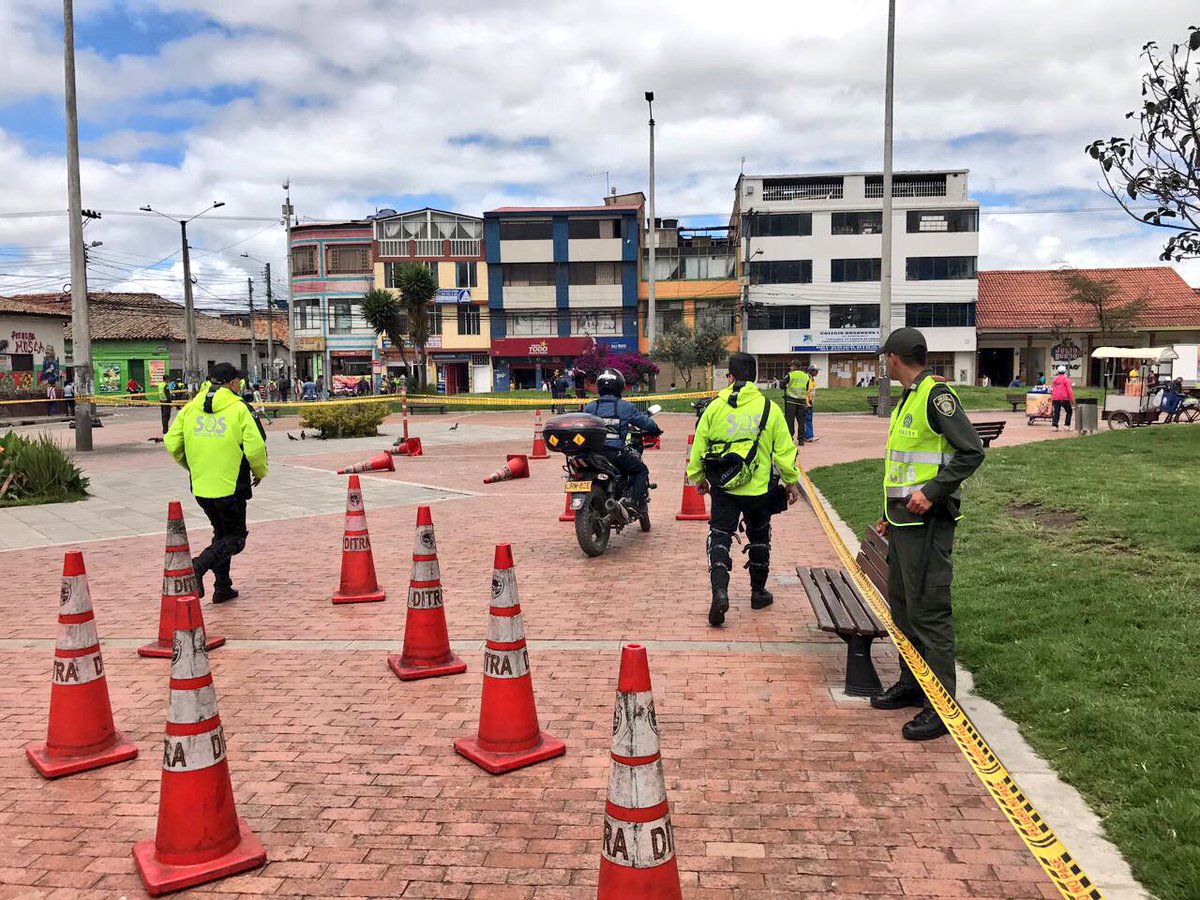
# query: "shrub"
(38, 470)
(346, 420)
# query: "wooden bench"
(427, 408)
(841, 609)
(988, 431)
(1017, 401)
(873, 401)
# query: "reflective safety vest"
(797, 385)
(164, 392)
(915, 451)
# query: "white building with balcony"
(814, 246)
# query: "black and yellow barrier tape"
(1054, 858)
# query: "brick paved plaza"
(779, 786)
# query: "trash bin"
(1087, 415)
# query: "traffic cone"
(426, 652)
(200, 837)
(637, 857)
(81, 734)
(409, 446)
(654, 443)
(358, 584)
(516, 467)
(692, 508)
(380, 462)
(539, 441)
(568, 514)
(509, 735)
(179, 580)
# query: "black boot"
(925, 726)
(223, 594)
(760, 597)
(720, 606)
(198, 569)
(898, 696)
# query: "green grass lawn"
(1084, 627)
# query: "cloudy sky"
(468, 105)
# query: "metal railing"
(429, 248)
(803, 190)
(393, 248)
(909, 189)
(464, 248)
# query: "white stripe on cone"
(635, 726)
(191, 706)
(426, 570)
(193, 752)
(504, 588)
(506, 629)
(637, 787)
(74, 597)
(424, 598)
(505, 663)
(189, 656)
(426, 543)
(81, 636)
(638, 845)
(77, 669)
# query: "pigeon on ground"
(290, 438)
(454, 427)
(302, 435)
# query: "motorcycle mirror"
(654, 410)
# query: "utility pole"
(885, 264)
(253, 344)
(745, 340)
(288, 212)
(81, 331)
(650, 310)
(270, 334)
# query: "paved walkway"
(778, 787)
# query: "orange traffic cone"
(380, 462)
(509, 735)
(516, 467)
(539, 442)
(358, 584)
(637, 858)
(692, 508)
(200, 837)
(179, 580)
(654, 443)
(568, 514)
(81, 734)
(409, 446)
(426, 652)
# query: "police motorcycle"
(598, 492)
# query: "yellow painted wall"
(451, 339)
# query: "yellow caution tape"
(1068, 876)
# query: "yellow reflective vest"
(797, 385)
(211, 442)
(915, 451)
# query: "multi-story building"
(695, 279)
(559, 278)
(813, 246)
(451, 245)
(331, 270)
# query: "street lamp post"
(653, 233)
(884, 407)
(270, 322)
(288, 213)
(191, 352)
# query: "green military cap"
(903, 341)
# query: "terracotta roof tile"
(1036, 298)
(22, 306)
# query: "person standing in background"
(165, 396)
(795, 400)
(1062, 397)
(810, 401)
(69, 397)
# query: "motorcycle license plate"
(579, 487)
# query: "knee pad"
(718, 549)
(758, 555)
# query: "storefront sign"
(618, 344)
(1065, 352)
(156, 371)
(349, 354)
(836, 340)
(310, 344)
(433, 342)
(454, 295)
(540, 347)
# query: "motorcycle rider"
(618, 415)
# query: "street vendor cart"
(1138, 403)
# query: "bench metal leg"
(861, 678)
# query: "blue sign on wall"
(618, 344)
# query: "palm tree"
(418, 286)
(382, 311)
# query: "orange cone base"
(158, 651)
(372, 597)
(692, 517)
(407, 447)
(161, 878)
(539, 451)
(57, 766)
(658, 883)
(568, 516)
(498, 763)
(453, 666)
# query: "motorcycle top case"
(575, 433)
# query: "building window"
(348, 259)
(776, 318)
(308, 315)
(781, 271)
(435, 319)
(722, 313)
(595, 323)
(939, 315)
(854, 269)
(527, 274)
(820, 187)
(544, 324)
(941, 364)
(465, 275)
(926, 220)
(908, 186)
(391, 271)
(468, 319)
(854, 315)
(781, 225)
(857, 223)
(522, 230)
(941, 268)
(689, 263)
(594, 272)
(304, 260)
(775, 369)
(581, 229)
(340, 317)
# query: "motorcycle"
(598, 491)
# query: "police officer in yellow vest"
(795, 399)
(932, 447)
(217, 439)
(164, 403)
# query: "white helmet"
(1062, 370)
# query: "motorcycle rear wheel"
(644, 511)
(590, 530)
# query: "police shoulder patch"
(945, 404)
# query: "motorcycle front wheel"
(590, 529)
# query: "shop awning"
(1151, 354)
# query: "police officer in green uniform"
(164, 403)
(932, 447)
(218, 440)
(795, 400)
